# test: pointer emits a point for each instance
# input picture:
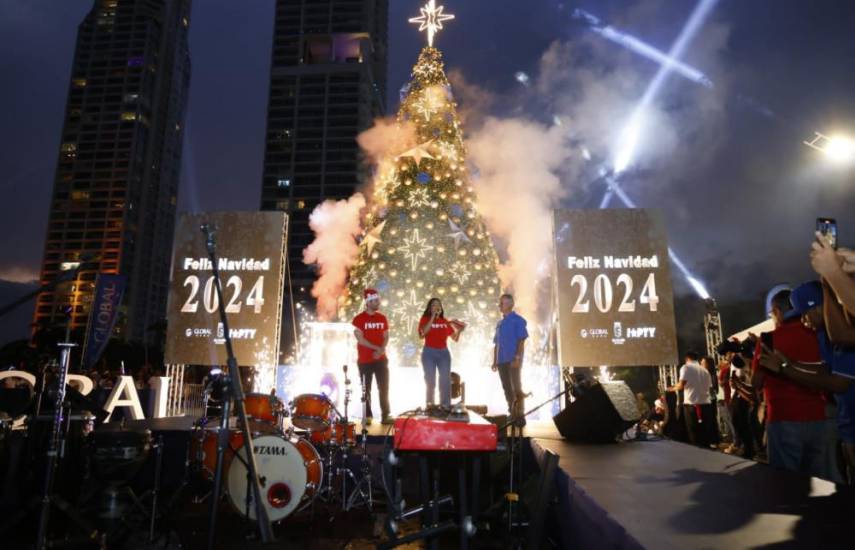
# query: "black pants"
(512, 385)
(380, 370)
(700, 427)
(742, 422)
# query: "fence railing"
(193, 402)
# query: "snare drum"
(291, 473)
(311, 412)
(263, 407)
(345, 435)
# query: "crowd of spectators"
(786, 396)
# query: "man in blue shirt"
(508, 349)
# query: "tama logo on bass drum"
(268, 450)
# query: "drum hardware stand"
(333, 450)
(156, 490)
(233, 390)
(343, 470)
(363, 489)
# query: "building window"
(79, 195)
(283, 182)
(283, 205)
(79, 82)
(128, 116)
(69, 150)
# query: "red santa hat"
(370, 294)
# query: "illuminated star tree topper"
(431, 19)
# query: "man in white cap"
(372, 335)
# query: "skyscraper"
(116, 185)
(327, 84)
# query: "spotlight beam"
(693, 281)
(631, 132)
(642, 48)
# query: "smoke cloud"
(336, 225)
(587, 89)
(519, 184)
(386, 138)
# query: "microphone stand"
(516, 439)
(361, 491)
(232, 390)
(56, 444)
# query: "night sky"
(739, 190)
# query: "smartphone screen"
(827, 227)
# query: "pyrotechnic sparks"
(326, 347)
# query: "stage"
(665, 494)
(634, 494)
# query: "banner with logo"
(613, 287)
(104, 311)
(251, 257)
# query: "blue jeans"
(433, 360)
(803, 447)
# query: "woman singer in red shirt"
(435, 329)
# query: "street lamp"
(839, 148)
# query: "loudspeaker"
(599, 414)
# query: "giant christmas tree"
(423, 234)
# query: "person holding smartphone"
(834, 264)
(434, 329)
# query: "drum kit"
(304, 454)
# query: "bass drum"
(291, 473)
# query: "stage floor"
(665, 494)
(375, 430)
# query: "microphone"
(209, 230)
(345, 369)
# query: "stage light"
(629, 140)
(698, 287)
(838, 148)
(522, 78)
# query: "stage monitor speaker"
(599, 414)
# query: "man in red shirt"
(796, 425)
(372, 335)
